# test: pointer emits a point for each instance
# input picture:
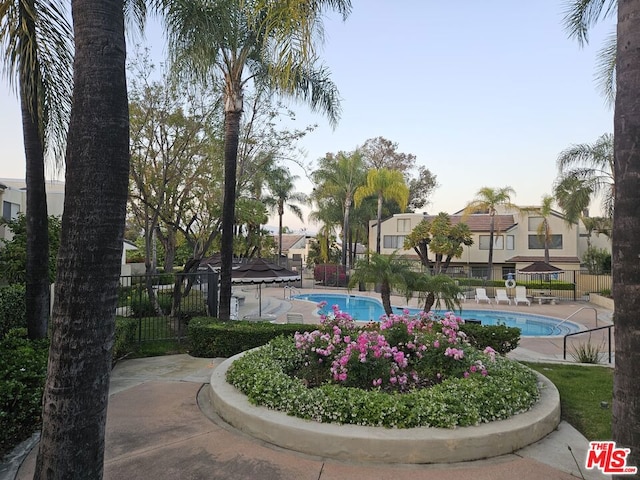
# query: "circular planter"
(383, 445)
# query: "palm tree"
(38, 58)
(88, 269)
(337, 179)
(543, 230)
(432, 287)
(487, 201)
(386, 185)
(386, 270)
(626, 233)
(281, 185)
(235, 43)
(587, 168)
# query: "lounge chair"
(521, 296)
(295, 318)
(481, 295)
(501, 296)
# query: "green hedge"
(531, 284)
(210, 337)
(125, 341)
(501, 338)
(12, 308)
(24, 367)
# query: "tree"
(88, 269)
(487, 201)
(272, 44)
(386, 185)
(382, 153)
(281, 185)
(13, 253)
(586, 168)
(626, 233)
(543, 231)
(337, 179)
(36, 37)
(386, 270)
(432, 287)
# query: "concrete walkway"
(160, 426)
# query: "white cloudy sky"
(483, 93)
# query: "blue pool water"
(365, 308)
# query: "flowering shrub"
(400, 353)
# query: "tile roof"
(481, 222)
(532, 258)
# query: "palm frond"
(605, 75)
(581, 15)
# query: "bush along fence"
(162, 305)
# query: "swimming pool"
(365, 308)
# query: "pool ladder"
(575, 313)
(609, 327)
(291, 291)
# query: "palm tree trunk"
(97, 172)
(385, 296)
(345, 229)
(490, 263)
(379, 226)
(429, 300)
(231, 135)
(280, 214)
(626, 234)
(37, 267)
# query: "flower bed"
(406, 371)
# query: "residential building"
(516, 241)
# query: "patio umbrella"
(259, 271)
(541, 268)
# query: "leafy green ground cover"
(582, 391)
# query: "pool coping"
(382, 445)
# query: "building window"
(511, 242)
(537, 243)
(10, 210)
(534, 223)
(498, 242)
(393, 241)
(404, 225)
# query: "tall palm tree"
(543, 231)
(281, 185)
(37, 56)
(487, 201)
(626, 233)
(232, 43)
(587, 168)
(386, 270)
(431, 287)
(386, 185)
(337, 179)
(88, 269)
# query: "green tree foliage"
(441, 237)
(586, 171)
(387, 185)
(597, 260)
(388, 271)
(13, 253)
(543, 231)
(432, 288)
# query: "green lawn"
(582, 389)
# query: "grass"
(582, 389)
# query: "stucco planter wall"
(601, 301)
(370, 444)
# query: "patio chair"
(481, 295)
(521, 296)
(501, 296)
(295, 318)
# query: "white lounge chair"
(295, 318)
(521, 296)
(501, 296)
(481, 295)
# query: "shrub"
(331, 275)
(141, 304)
(587, 352)
(501, 338)
(24, 367)
(12, 308)
(125, 338)
(210, 337)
